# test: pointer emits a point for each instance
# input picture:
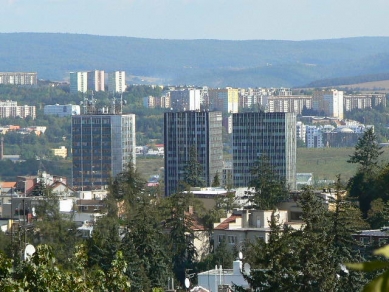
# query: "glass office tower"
(182, 130)
(270, 134)
(102, 147)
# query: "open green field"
(324, 163)
(149, 166)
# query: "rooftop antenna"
(121, 103)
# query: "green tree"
(367, 152)
(308, 259)
(43, 273)
(193, 170)
(54, 228)
(378, 215)
(147, 240)
(216, 180)
(362, 185)
(274, 265)
(105, 243)
(124, 190)
(267, 189)
(181, 235)
(346, 220)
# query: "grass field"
(324, 163)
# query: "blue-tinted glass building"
(102, 147)
(271, 134)
(182, 130)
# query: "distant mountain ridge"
(215, 63)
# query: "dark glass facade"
(102, 146)
(182, 130)
(270, 134)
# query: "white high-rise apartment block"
(300, 131)
(18, 78)
(87, 80)
(225, 100)
(117, 81)
(78, 82)
(96, 80)
(288, 103)
(314, 137)
(186, 99)
(328, 103)
(10, 109)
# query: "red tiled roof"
(226, 223)
(8, 184)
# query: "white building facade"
(78, 82)
(185, 99)
(61, 110)
(328, 103)
(117, 81)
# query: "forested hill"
(201, 62)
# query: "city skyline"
(199, 19)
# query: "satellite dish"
(240, 255)
(247, 268)
(187, 283)
(28, 252)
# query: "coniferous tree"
(148, 241)
(346, 220)
(367, 152)
(193, 172)
(378, 215)
(181, 236)
(216, 180)
(362, 184)
(267, 188)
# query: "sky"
(200, 19)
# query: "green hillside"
(199, 62)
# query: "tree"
(362, 184)
(105, 243)
(267, 189)
(216, 180)
(181, 235)
(124, 190)
(54, 228)
(378, 215)
(308, 259)
(193, 170)
(272, 263)
(367, 152)
(346, 220)
(146, 244)
(380, 282)
(43, 273)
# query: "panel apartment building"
(328, 103)
(271, 134)
(19, 78)
(182, 130)
(87, 80)
(117, 81)
(102, 147)
(11, 109)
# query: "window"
(222, 238)
(231, 239)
